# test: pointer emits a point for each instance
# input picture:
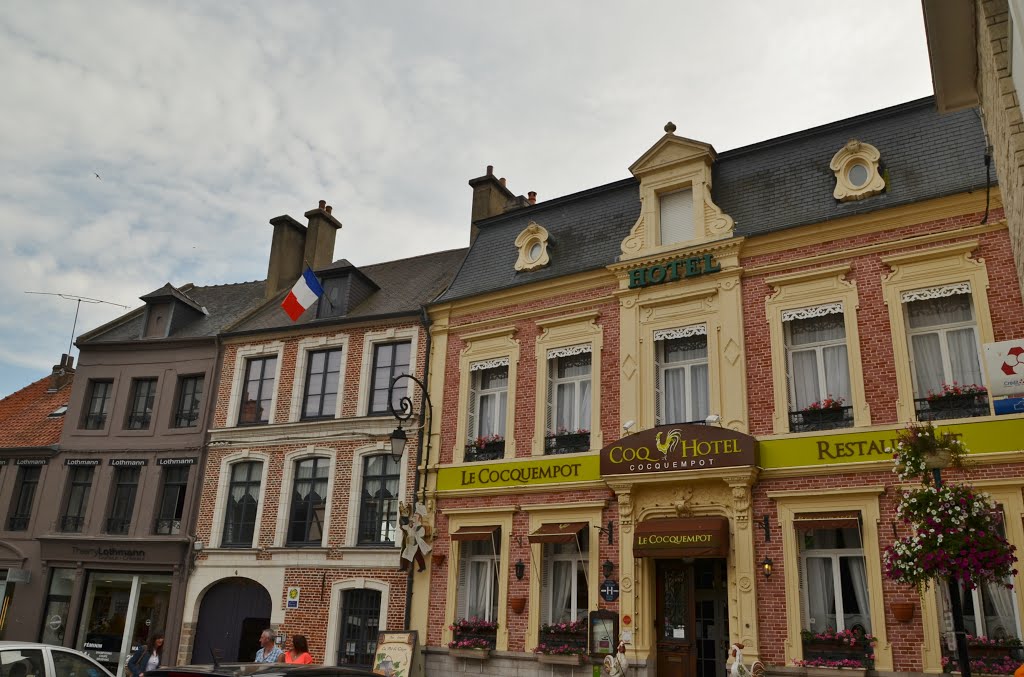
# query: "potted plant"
(473, 638)
(920, 448)
(956, 396)
(485, 448)
(828, 410)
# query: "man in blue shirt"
(269, 651)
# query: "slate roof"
(405, 285)
(25, 420)
(766, 187)
(224, 303)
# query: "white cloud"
(205, 120)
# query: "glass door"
(58, 603)
(712, 612)
(674, 624)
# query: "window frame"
(317, 461)
(661, 365)
(125, 487)
(580, 561)
(194, 412)
(88, 413)
(834, 555)
(20, 502)
(141, 419)
(248, 482)
(943, 331)
(818, 347)
(77, 489)
(361, 521)
(491, 562)
(246, 379)
(485, 346)
(180, 500)
(325, 380)
(554, 381)
(370, 410)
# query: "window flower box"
(828, 410)
(470, 654)
(473, 633)
(485, 448)
(956, 396)
(560, 659)
(843, 649)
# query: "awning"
(828, 520)
(682, 537)
(474, 533)
(562, 532)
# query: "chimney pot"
(323, 203)
(328, 209)
(490, 170)
(533, 197)
(502, 181)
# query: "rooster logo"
(671, 440)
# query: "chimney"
(320, 234)
(490, 197)
(286, 252)
(532, 197)
(62, 373)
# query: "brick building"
(299, 527)
(633, 378)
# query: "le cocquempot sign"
(670, 448)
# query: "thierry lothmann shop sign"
(678, 447)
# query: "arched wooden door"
(232, 615)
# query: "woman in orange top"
(299, 652)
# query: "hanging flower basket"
(920, 448)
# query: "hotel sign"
(691, 266)
(670, 448)
(549, 470)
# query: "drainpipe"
(425, 321)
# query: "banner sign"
(678, 447)
(1004, 362)
(547, 470)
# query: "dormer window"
(157, 317)
(332, 303)
(533, 247)
(857, 172)
(676, 217)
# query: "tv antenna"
(78, 305)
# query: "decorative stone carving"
(856, 170)
(489, 364)
(716, 222)
(936, 292)
(626, 583)
(568, 351)
(628, 367)
(625, 507)
(683, 505)
(745, 584)
(533, 247)
(681, 332)
(634, 242)
(813, 311)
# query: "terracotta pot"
(517, 604)
(437, 559)
(903, 611)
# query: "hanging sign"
(610, 590)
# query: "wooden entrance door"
(674, 623)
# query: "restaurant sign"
(548, 470)
(684, 447)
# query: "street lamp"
(956, 607)
(405, 412)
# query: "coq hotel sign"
(670, 448)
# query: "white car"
(26, 659)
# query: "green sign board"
(691, 266)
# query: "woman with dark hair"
(299, 652)
(147, 656)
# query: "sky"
(145, 142)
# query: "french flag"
(306, 290)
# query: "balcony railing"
(71, 523)
(118, 525)
(487, 452)
(95, 421)
(831, 418)
(138, 421)
(568, 443)
(951, 406)
(18, 522)
(167, 527)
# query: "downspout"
(425, 321)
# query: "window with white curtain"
(833, 581)
(943, 338)
(488, 401)
(564, 581)
(478, 578)
(569, 391)
(816, 361)
(990, 610)
(676, 216)
(681, 375)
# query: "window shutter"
(462, 592)
(802, 587)
(659, 396)
(545, 584)
(471, 431)
(552, 371)
(677, 216)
